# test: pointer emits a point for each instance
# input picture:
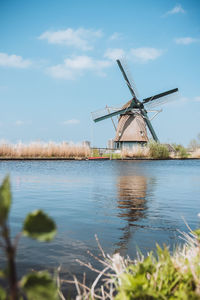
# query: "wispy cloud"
(115, 36)
(71, 122)
(181, 100)
(23, 123)
(145, 54)
(14, 61)
(76, 66)
(197, 99)
(114, 54)
(186, 40)
(79, 38)
(19, 123)
(178, 9)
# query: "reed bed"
(195, 153)
(136, 152)
(43, 150)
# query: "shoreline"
(87, 159)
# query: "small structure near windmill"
(133, 120)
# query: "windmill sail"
(127, 81)
(159, 95)
(103, 114)
(166, 98)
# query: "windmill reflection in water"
(132, 204)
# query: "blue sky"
(57, 64)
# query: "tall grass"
(43, 150)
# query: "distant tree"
(195, 143)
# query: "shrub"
(158, 151)
(95, 152)
(180, 151)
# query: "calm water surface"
(128, 204)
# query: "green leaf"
(40, 226)
(39, 286)
(2, 274)
(2, 294)
(5, 200)
(197, 233)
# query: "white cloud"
(79, 38)
(197, 99)
(115, 36)
(114, 54)
(186, 40)
(23, 123)
(76, 66)
(13, 61)
(176, 10)
(145, 54)
(181, 100)
(19, 123)
(71, 122)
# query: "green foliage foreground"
(37, 225)
(161, 277)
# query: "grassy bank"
(160, 151)
(63, 150)
(155, 150)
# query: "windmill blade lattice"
(103, 113)
(130, 77)
(159, 99)
(127, 81)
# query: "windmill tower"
(133, 120)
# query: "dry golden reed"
(43, 150)
(196, 153)
(135, 152)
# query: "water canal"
(128, 204)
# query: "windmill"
(133, 120)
